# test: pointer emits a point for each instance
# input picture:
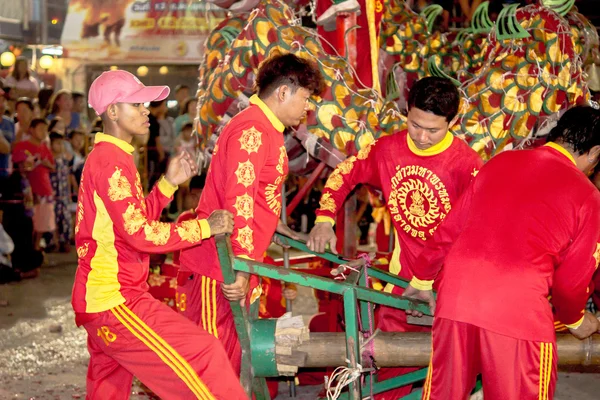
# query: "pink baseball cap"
(122, 87)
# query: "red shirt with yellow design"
(419, 186)
(247, 170)
(116, 227)
(510, 243)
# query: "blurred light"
(163, 70)
(7, 59)
(46, 62)
(114, 68)
(54, 21)
(53, 51)
(142, 70)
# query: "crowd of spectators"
(45, 135)
(44, 138)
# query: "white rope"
(340, 378)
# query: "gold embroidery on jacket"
(190, 231)
(83, 250)
(118, 186)
(327, 203)
(244, 238)
(133, 219)
(364, 153)
(79, 215)
(245, 173)
(272, 197)
(157, 232)
(244, 205)
(282, 157)
(251, 140)
(335, 181)
(346, 166)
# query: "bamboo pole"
(403, 349)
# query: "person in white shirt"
(21, 82)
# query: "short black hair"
(179, 87)
(75, 132)
(579, 127)
(186, 104)
(435, 95)
(55, 136)
(77, 95)
(36, 121)
(187, 125)
(288, 69)
(154, 104)
(25, 100)
(198, 182)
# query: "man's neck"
(569, 149)
(273, 105)
(121, 135)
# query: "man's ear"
(112, 112)
(594, 154)
(283, 92)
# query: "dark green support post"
(242, 325)
(353, 353)
(366, 309)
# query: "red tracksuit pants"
(169, 354)
(511, 369)
(201, 300)
(394, 320)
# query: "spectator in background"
(57, 125)
(80, 107)
(188, 113)
(61, 185)
(61, 105)
(7, 138)
(77, 140)
(39, 177)
(44, 100)
(157, 154)
(24, 115)
(17, 217)
(182, 92)
(21, 82)
(190, 202)
(185, 142)
(37, 110)
(7, 246)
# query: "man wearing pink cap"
(129, 332)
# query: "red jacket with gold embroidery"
(419, 187)
(247, 170)
(514, 239)
(116, 227)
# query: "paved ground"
(43, 355)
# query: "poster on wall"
(114, 31)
